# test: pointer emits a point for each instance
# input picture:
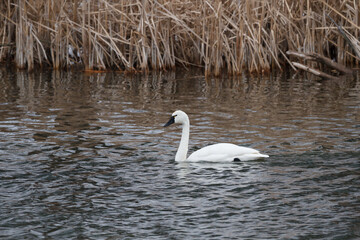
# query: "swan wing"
(225, 152)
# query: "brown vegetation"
(131, 35)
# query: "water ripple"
(91, 160)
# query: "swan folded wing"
(209, 158)
(252, 156)
(225, 152)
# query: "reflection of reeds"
(147, 34)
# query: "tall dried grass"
(136, 35)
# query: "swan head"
(179, 117)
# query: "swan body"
(220, 152)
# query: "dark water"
(86, 157)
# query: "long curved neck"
(181, 153)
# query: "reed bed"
(142, 35)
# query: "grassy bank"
(134, 35)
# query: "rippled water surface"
(85, 156)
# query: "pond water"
(85, 156)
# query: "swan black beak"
(171, 121)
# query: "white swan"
(220, 152)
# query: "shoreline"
(141, 36)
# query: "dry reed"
(136, 35)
